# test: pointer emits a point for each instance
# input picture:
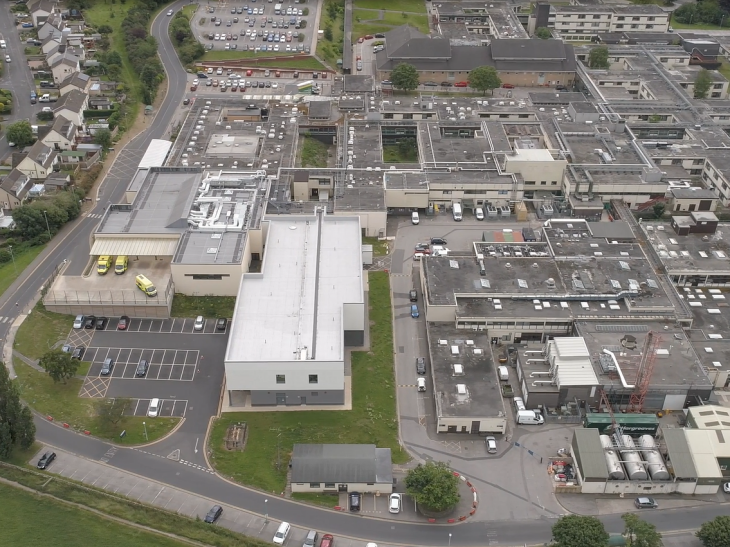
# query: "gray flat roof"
(341, 463)
(482, 396)
(691, 253)
(590, 453)
(310, 269)
(161, 205)
(683, 466)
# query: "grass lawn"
(189, 10)
(64, 526)
(62, 401)
(391, 19)
(314, 152)
(415, 6)
(40, 331)
(380, 248)
(100, 14)
(361, 29)
(372, 419)
(265, 59)
(331, 51)
(725, 70)
(9, 272)
(70, 526)
(22, 457)
(325, 500)
(698, 26)
(207, 306)
(392, 154)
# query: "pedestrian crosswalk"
(4, 319)
(94, 215)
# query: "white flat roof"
(156, 153)
(310, 270)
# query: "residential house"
(52, 27)
(39, 162)
(61, 136)
(14, 189)
(78, 80)
(51, 43)
(40, 10)
(63, 65)
(71, 106)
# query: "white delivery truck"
(456, 210)
(529, 417)
(277, 9)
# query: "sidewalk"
(166, 497)
(581, 504)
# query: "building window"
(676, 162)
(621, 18)
(315, 393)
(207, 277)
(281, 378)
(329, 485)
(663, 59)
(619, 26)
(581, 17)
(314, 485)
(543, 183)
(313, 378)
(446, 192)
(503, 192)
(650, 19)
(648, 27)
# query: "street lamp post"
(266, 510)
(10, 248)
(144, 424)
(722, 20)
(449, 540)
(48, 226)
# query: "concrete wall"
(692, 204)
(157, 311)
(371, 222)
(228, 285)
(486, 425)
(298, 397)
(413, 198)
(383, 488)
(261, 375)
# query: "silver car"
(491, 443)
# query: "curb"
(474, 504)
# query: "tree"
(715, 532)
(640, 532)
(111, 411)
(598, 57)
(327, 33)
(405, 77)
(20, 133)
(16, 420)
(407, 147)
(579, 531)
(484, 78)
(543, 33)
(59, 365)
(702, 84)
(659, 209)
(105, 29)
(433, 485)
(103, 137)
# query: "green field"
(267, 59)
(28, 520)
(314, 152)
(10, 271)
(698, 26)
(372, 419)
(40, 332)
(415, 6)
(380, 248)
(207, 306)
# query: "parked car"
(491, 443)
(200, 321)
(645, 503)
(46, 460)
(123, 323)
(394, 505)
(421, 365)
(422, 248)
(414, 311)
(508, 86)
(214, 514)
(79, 322)
(67, 348)
(438, 241)
(142, 368)
(431, 84)
(107, 367)
(461, 84)
(327, 541)
(413, 295)
(78, 353)
(221, 323)
(89, 322)
(354, 501)
(101, 323)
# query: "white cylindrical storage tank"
(657, 470)
(632, 461)
(615, 469)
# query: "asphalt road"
(17, 76)
(74, 241)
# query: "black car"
(422, 247)
(46, 460)
(221, 324)
(413, 295)
(380, 35)
(438, 241)
(420, 365)
(354, 501)
(101, 323)
(446, 84)
(106, 368)
(89, 322)
(142, 368)
(430, 84)
(561, 88)
(214, 514)
(78, 353)
(123, 323)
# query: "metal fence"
(126, 297)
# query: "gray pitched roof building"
(341, 464)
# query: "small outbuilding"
(341, 468)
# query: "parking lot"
(169, 408)
(176, 325)
(164, 364)
(242, 26)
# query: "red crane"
(646, 369)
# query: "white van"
(503, 373)
(282, 533)
(456, 211)
(154, 408)
(479, 213)
(414, 217)
(529, 417)
(519, 404)
(421, 384)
